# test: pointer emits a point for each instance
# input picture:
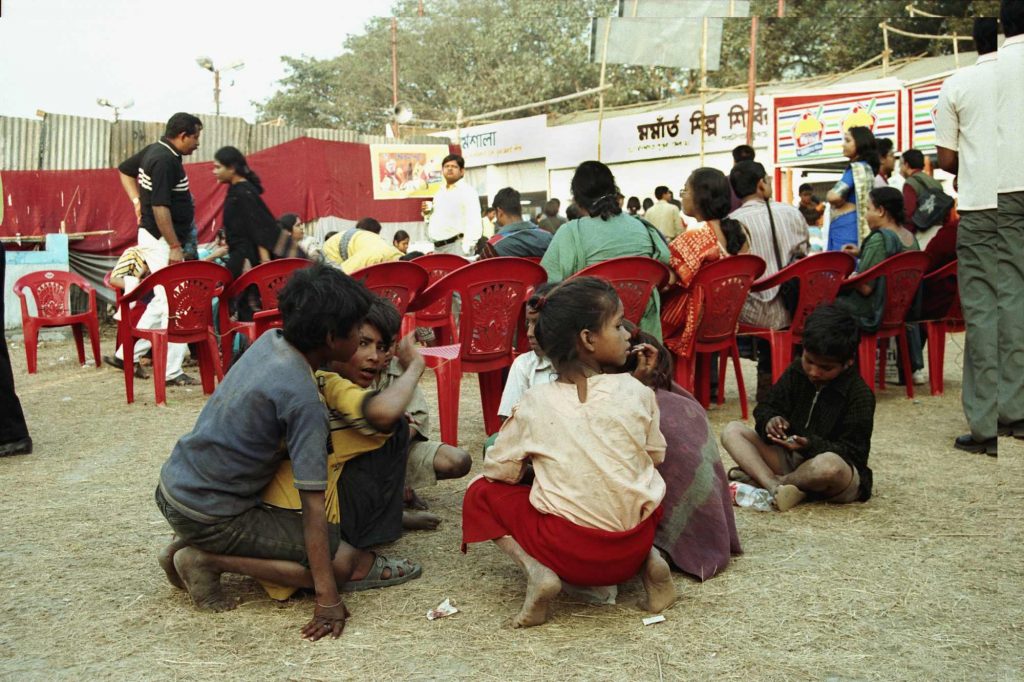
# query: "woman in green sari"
(603, 232)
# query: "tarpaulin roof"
(314, 178)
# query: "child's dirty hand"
(792, 443)
(776, 428)
(326, 621)
(646, 361)
(407, 353)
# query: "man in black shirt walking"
(156, 182)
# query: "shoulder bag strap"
(343, 245)
(775, 238)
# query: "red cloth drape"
(314, 178)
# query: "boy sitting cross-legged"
(813, 433)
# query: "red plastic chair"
(439, 315)
(951, 321)
(51, 292)
(493, 293)
(634, 278)
(191, 287)
(903, 273)
(398, 281)
(268, 278)
(266, 319)
(820, 277)
(725, 285)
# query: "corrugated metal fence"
(61, 142)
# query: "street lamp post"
(207, 63)
(104, 102)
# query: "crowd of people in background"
(337, 389)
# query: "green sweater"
(586, 241)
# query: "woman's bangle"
(332, 606)
(174, 246)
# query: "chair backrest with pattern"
(398, 281)
(268, 277)
(191, 287)
(51, 292)
(724, 285)
(820, 277)
(634, 278)
(903, 274)
(437, 266)
(493, 293)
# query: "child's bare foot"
(420, 520)
(201, 581)
(657, 579)
(166, 559)
(787, 496)
(542, 586)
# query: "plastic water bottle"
(746, 495)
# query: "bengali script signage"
(677, 132)
(810, 129)
(515, 140)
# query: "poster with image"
(404, 171)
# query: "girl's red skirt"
(579, 555)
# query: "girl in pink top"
(593, 439)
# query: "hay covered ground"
(924, 582)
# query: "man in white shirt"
(1010, 98)
(454, 223)
(964, 121)
(664, 215)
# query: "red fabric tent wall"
(314, 178)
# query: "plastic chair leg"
(723, 362)
(702, 381)
(866, 353)
(94, 338)
(782, 353)
(490, 398)
(206, 352)
(684, 372)
(128, 344)
(218, 367)
(735, 352)
(904, 350)
(76, 331)
(936, 355)
(883, 352)
(31, 331)
(159, 342)
(449, 379)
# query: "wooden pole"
(885, 49)
(600, 99)
(782, 8)
(703, 83)
(394, 75)
(752, 81)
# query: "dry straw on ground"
(924, 582)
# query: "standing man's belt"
(446, 242)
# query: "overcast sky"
(61, 55)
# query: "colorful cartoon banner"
(404, 171)
(923, 100)
(810, 129)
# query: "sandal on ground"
(182, 380)
(740, 476)
(787, 497)
(373, 579)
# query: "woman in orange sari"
(707, 198)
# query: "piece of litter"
(66, 399)
(445, 608)
(651, 620)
